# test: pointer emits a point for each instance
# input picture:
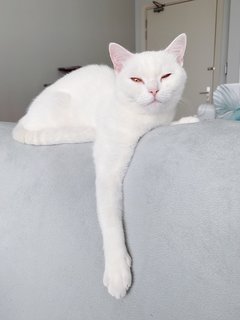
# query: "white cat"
(114, 108)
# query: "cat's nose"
(154, 92)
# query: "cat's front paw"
(117, 276)
(185, 120)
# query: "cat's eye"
(165, 76)
(137, 80)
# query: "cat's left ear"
(178, 47)
(119, 55)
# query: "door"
(196, 18)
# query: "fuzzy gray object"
(182, 218)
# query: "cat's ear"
(119, 55)
(178, 47)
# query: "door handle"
(207, 93)
(211, 68)
(208, 90)
(204, 92)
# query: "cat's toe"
(117, 277)
(185, 120)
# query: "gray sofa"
(182, 218)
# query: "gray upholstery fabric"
(182, 216)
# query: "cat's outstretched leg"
(111, 161)
(53, 118)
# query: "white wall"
(139, 22)
(37, 37)
(234, 43)
(140, 5)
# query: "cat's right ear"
(177, 47)
(119, 55)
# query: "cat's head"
(154, 80)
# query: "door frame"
(221, 37)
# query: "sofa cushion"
(182, 218)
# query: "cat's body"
(114, 108)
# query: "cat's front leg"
(117, 274)
(111, 162)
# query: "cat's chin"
(154, 105)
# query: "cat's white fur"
(114, 108)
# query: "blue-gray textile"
(182, 218)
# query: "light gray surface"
(233, 74)
(182, 215)
(37, 37)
